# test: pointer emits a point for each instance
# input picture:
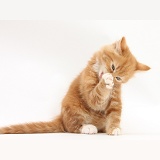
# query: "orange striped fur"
(93, 101)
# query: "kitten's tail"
(54, 126)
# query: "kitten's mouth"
(101, 74)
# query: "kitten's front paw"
(89, 129)
(108, 79)
(114, 131)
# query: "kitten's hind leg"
(76, 124)
(88, 129)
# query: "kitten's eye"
(113, 67)
(118, 78)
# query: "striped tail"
(54, 126)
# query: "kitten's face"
(118, 60)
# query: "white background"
(39, 60)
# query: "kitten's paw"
(108, 79)
(89, 129)
(115, 132)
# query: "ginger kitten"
(93, 101)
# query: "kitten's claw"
(108, 79)
(89, 129)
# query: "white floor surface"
(78, 147)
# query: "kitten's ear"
(142, 67)
(123, 44)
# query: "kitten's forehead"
(112, 48)
(118, 47)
